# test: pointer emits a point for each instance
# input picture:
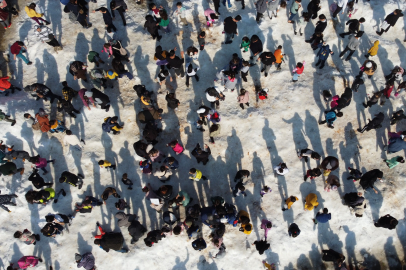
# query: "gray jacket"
(354, 42)
(87, 261)
(273, 5)
(261, 6)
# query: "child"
(306, 153)
(176, 147)
(155, 12)
(265, 190)
(199, 125)
(298, 70)
(94, 57)
(164, 23)
(245, 44)
(162, 76)
(180, 11)
(279, 57)
(211, 17)
(214, 131)
(193, 53)
(355, 174)
(173, 103)
(351, 8)
(313, 173)
(121, 205)
(300, 23)
(112, 75)
(201, 40)
(243, 98)
(273, 8)
(127, 181)
(239, 189)
(244, 70)
(191, 72)
(331, 116)
(163, 174)
(281, 169)
(106, 164)
(171, 163)
(196, 175)
(6, 118)
(373, 50)
(146, 166)
(266, 225)
(27, 237)
(289, 202)
(391, 163)
(262, 93)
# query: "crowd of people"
(173, 64)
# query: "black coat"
(267, 61)
(168, 193)
(203, 156)
(112, 241)
(150, 24)
(352, 199)
(313, 8)
(320, 26)
(75, 66)
(353, 25)
(136, 230)
(256, 47)
(71, 178)
(141, 149)
(332, 256)
(369, 178)
(261, 246)
(385, 222)
(172, 102)
(376, 121)
(98, 94)
(150, 132)
(345, 99)
(391, 19)
(230, 26)
(118, 67)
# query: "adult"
(396, 144)
(267, 60)
(256, 47)
(341, 5)
(312, 8)
(352, 45)
(136, 230)
(353, 27)
(369, 178)
(390, 20)
(261, 246)
(41, 91)
(78, 12)
(344, 100)
(110, 240)
(322, 217)
(152, 27)
(329, 163)
(121, 7)
(78, 70)
(230, 28)
(323, 54)
(108, 20)
(176, 63)
(201, 155)
(375, 123)
(320, 27)
(17, 50)
(353, 199)
(156, 202)
(6, 200)
(387, 222)
(10, 168)
(124, 220)
(147, 116)
(333, 256)
(261, 6)
(87, 261)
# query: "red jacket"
(4, 83)
(15, 48)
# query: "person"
(341, 5)
(172, 101)
(281, 169)
(228, 79)
(30, 10)
(300, 23)
(311, 202)
(110, 240)
(322, 217)
(17, 50)
(196, 175)
(97, 78)
(106, 164)
(119, 68)
(331, 183)
(243, 98)
(320, 27)
(37, 181)
(78, 70)
(211, 18)
(6, 199)
(279, 57)
(127, 181)
(94, 97)
(330, 117)
(306, 153)
(214, 130)
(5, 17)
(368, 179)
(389, 21)
(373, 51)
(375, 123)
(373, 99)
(5, 86)
(27, 237)
(289, 202)
(313, 173)
(352, 45)
(71, 139)
(239, 189)
(28, 261)
(261, 6)
(72, 179)
(191, 72)
(110, 124)
(87, 261)
(387, 222)
(201, 39)
(124, 220)
(4, 117)
(256, 47)
(87, 205)
(273, 8)
(353, 26)
(313, 8)
(136, 230)
(333, 256)
(45, 34)
(397, 116)
(199, 244)
(152, 27)
(78, 12)
(147, 116)
(181, 13)
(40, 91)
(298, 70)
(165, 192)
(261, 246)
(393, 162)
(182, 198)
(323, 54)
(353, 199)
(156, 202)
(57, 126)
(176, 63)
(121, 7)
(294, 9)
(201, 155)
(94, 57)
(230, 28)
(10, 168)
(108, 20)
(266, 225)
(154, 237)
(164, 22)
(241, 175)
(40, 163)
(293, 230)
(267, 60)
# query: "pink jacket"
(109, 51)
(207, 13)
(27, 261)
(263, 226)
(244, 99)
(299, 70)
(334, 102)
(42, 163)
(178, 148)
(81, 95)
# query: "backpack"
(107, 126)
(212, 92)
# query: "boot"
(380, 32)
(318, 63)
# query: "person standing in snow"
(353, 27)
(156, 202)
(322, 217)
(40, 163)
(230, 28)
(267, 60)
(300, 23)
(294, 9)
(390, 20)
(267, 226)
(281, 169)
(4, 117)
(200, 155)
(17, 50)
(45, 34)
(313, 8)
(261, 246)
(298, 70)
(191, 72)
(111, 240)
(293, 230)
(201, 40)
(279, 57)
(176, 63)
(37, 181)
(352, 45)
(261, 6)
(121, 7)
(6, 200)
(213, 95)
(30, 10)
(323, 54)
(273, 8)
(243, 98)
(387, 222)
(78, 70)
(373, 51)
(152, 27)
(110, 124)
(79, 11)
(87, 261)
(289, 202)
(256, 47)
(341, 5)
(375, 123)
(108, 20)
(311, 202)
(28, 261)
(320, 27)
(397, 116)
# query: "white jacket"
(342, 4)
(72, 140)
(43, 35)
(213, 99)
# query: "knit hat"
(78, 257)
(368, 65)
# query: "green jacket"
(8, 168)
(245, 45)
(92, 55)
(2, 115)
(392, 162)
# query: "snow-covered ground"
(258, 138)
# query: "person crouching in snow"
(298, 71)
(87, 261)
(289, 202)
(214, 132)
(5, 86)
(331, 116)
(243, 98)
(313, 173)
(110, 124)
(72, 179)
(311, 202)
(373, 51)
(191, 72)
(163, 76)
(176, 147)
(110, 240)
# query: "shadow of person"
(315, 257)
(181, 265)
(83, 245)
(375, 202)
(350, 243)
(55, 17)
(82, 47)
(391, 254)
(233, 155)
(304, 262)
(203, 264)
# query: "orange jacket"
(44, 122)
(4, 83)
(278, 55)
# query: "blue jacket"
(331, 117)
(324, 51)
(396, 145)
(206, 212)
(323, 218)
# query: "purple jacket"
(87, 261)
(42, 163)
(263, 226)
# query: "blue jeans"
(20, 55)
(123, 250)
(229, 37)
(292, 16)
(296, 76)
(224, 2)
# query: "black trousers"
(54, 43)
(216, 5)
(337, 11)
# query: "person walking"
(108, 20)
(341, 5)
(353, 27)
(230, 28)
(323, 54)
(352, 45)
(390, 20)
(267, 60)
(375, 123)
(261, 6)
(121, 7)
(294, 9)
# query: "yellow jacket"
(289, 203)
(116, 128)
(311, 201)
(112, 77)
(106, 163)
(245, 230)
(374, 49)
(196, 177)
(32, 13)
(243, 213)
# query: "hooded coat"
(230, 26)
(374, 49)
(376, 121)
(203, 156)
(352, 199)
(87, 261)
(112, 240)
(27, 261)
(369, 178)
(311, 201)
(70, 178)
(150, 24)
(324, 51)
(261, 246)
(136, 230)
(124, 220)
